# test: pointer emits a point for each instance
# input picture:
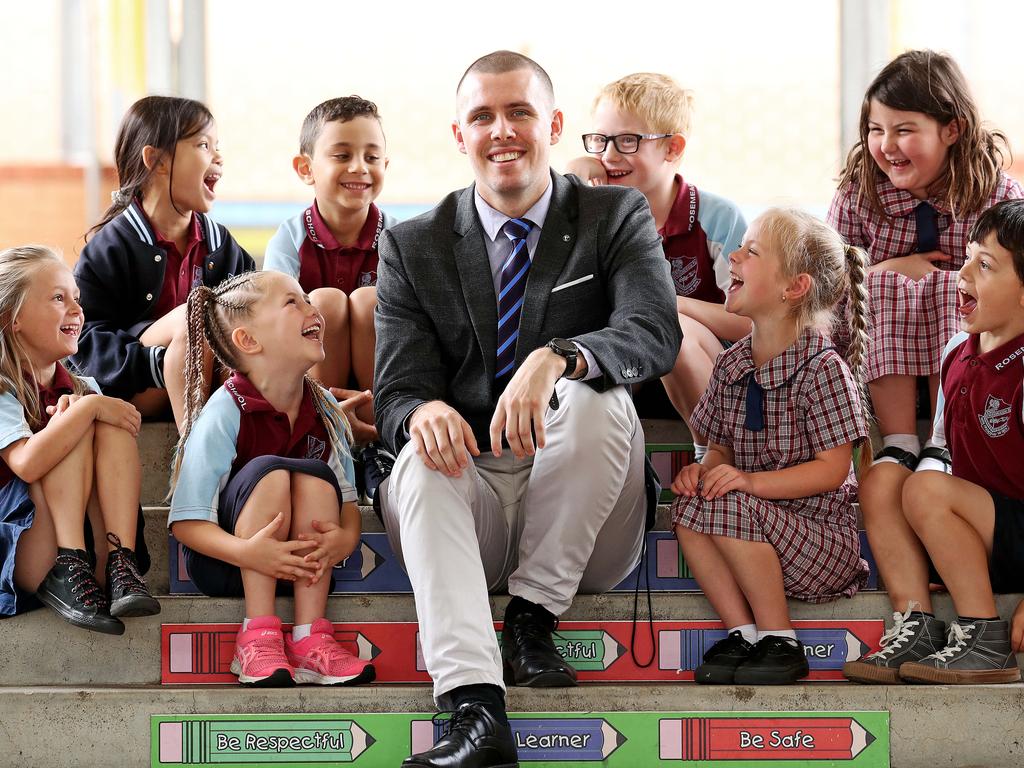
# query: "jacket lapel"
(548, 263)
(475, 276)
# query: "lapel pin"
(566, 238)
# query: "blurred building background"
(778, 88)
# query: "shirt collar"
(492, 220)
(321, 235)
(777, 371)
(62, 383)
(683, 215)
(1000, 359)
(899, 202)
(250, 400)
(195, 232)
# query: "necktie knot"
(517, 229)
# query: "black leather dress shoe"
(474, 739)
(530, 656)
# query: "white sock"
(245, 624)
(790, 633)
(749, 632)
(301, 632)
(699, 451)
(905, 442)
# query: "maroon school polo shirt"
(265, 431)
(325, 263)
(182, 272)
(983, 416)
(686, 248)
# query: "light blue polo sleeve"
(206, 466)
(13, 425)
(282, 254)
(341, 463)
(724, 227)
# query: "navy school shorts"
(215, 578)
(1006, 568)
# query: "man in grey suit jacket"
(510, 319)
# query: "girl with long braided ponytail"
(768, 514)
(262, 486)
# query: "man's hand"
(589, 169)
(521, 407)
(350, 400)
(443, 439)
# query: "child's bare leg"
(271, 496)
(152, 403)
(690, 375)
(37, 547)
(333, 305)
(716, 580)
(362, 304)
(66, 489)
(899, 553)
(755, 566)
(933, 392)
(314, 499)
(955, 520)
(893, 400)
(118, 482)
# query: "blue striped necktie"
(512, 288)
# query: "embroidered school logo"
(314, 448)
(685, 275)
(367, 279)
(996, 418)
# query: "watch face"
(562, 347)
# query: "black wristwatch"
(569, 351)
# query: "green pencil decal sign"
(617, 739)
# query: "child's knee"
(109, 436)
(271, 496)
(924, 494)
(332, 304)
(363, 301)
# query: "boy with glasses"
(641, 123)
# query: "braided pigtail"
(856, 261)
(195, 371)
(333, 416)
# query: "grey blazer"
(599, 277)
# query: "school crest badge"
(314, 447)
(996, 418)
(367, 279)
(685, 275)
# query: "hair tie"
(121, 197)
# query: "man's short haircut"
(658, 100)
(1006, 219)
(500, 62)
(342, 110)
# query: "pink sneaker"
(259, 655)
(319, 659)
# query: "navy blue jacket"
(120, 274)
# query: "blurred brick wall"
(46, 204)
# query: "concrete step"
(87, 658)
(933, 727)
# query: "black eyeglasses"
(625, 143)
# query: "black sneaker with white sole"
(722, 659)
(71, 589)
(776, 660)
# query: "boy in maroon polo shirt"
(641, 124)
(331, 247)
(969, 524)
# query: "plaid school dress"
(911, 320)
(801, 403)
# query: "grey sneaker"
(978, 652)
(912, 636)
